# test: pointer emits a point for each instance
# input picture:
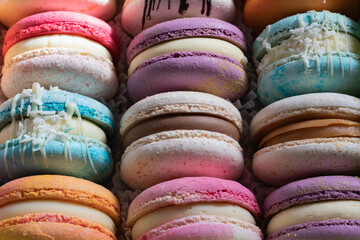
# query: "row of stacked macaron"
(304, 136)
(307, 66)
(181, 137)
(54, 143)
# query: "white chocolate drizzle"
(33, 127)
(310, 42)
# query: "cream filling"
(167, 214)
(72, 127)
(313, 212)
(57, 41)
(311, 42)
(213, 45)
(59, 207)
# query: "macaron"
(306, 53)
(315, 208)
(195, 208)
(192, 54)
(71, 50)
(13, 11)
(305, 136)
(260, 13)
(54, 132)
(57, 207)
(138, 15)
(180, 134)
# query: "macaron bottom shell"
(334, 72)
(190, 71)
(180, 153)
(71, 70)
(335, 229)
(45, 226)
(204, 228)
(89, 159)
(285, 162)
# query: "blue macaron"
(32, 146)
(307, 53)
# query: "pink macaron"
(71, 50)
(191, 54)
(195, 208)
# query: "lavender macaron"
(315, 208)
(192, 54)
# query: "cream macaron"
(179, 134)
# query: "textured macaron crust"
(36, 148)
(59, 226)
(260, 13)
(305, 53)
(138, 15)
(315, 149)
(186, 191)
(180, 134)
(315, 191)
(86, 72)
(13, 11)
(181, 67)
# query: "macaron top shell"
(301, 108)
(180, 102)
(182, 28)
(64, 188)
(312, 190)
(189, 190)
(281, 30)
(62, 22)
(56, 100)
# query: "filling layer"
(59, 207)
(72, 127)
(167, 214)
(306, 43)
(313, 212)
(57, 41)
(320, 128)
(190, 44)
(177, 122)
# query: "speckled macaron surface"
(306, 53)
(332, 199)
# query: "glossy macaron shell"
(62, 22)
(62, 189)
(260, 13)
(138, 15)
(199, 190)
(315, 191)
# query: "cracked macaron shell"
(64, 188)
(192, 190)
(63, 22)
(183, 28)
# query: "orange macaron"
(260, 13)
(57, 207)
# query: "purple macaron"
(315, 208)
(190, 54)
